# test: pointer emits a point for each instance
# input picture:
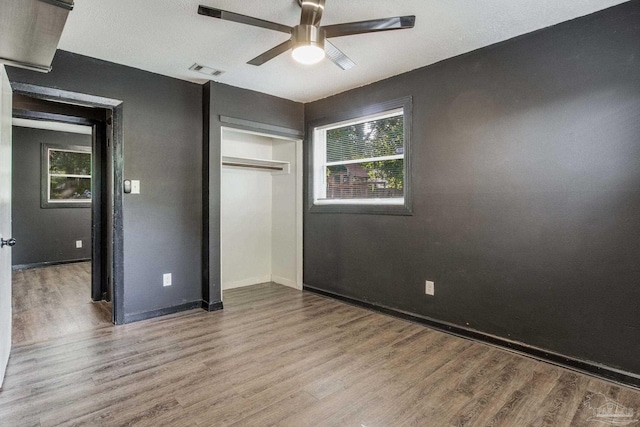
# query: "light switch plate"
(135, 186)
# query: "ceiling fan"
(308, 40)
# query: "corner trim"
(211, 306)
(206, 187)
(51, 117)
(54, 94)
(278, 130)
(136, 317)
(591, 368)
(47, 264)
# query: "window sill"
(56, 205)
(361, 208)
(361, 202)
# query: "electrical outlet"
(429, 288)
(78, 244)
(166, 279)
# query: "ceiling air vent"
(212, 72)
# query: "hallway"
(51, 302)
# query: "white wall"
(284, 226)
(259, 223)
(245, 213)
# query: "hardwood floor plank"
(273, 356)
(54, 301)
(600, 394)
(529, 394)
(563, 400)
(447, 388)
(116, 404)
(273, 414)
(472, 411)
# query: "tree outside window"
(360, 162)
(66, 176)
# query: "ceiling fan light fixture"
(309, 40)
(307, 54)
(308, 44)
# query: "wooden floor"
(55, 301)
(276, 356)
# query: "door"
(5, 221)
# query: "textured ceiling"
(168, 36)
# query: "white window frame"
(319, 164)
(47, 201)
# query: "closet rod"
(243, 165)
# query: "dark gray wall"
(44, 235)
(223, 100)
(526, 175)
(163, 149)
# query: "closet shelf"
(274, 166)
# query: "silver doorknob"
(8, 242)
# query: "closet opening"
(260, 210)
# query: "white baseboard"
(286, 282)
(246, 282)
(261, 279)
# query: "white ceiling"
(168, 36)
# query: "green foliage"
(377, 138)
(64, 188)
(64, 163)
(390, 171)
(69, 162)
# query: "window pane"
(375, 138)
(368, 180)
(68, 162)
(66, 188)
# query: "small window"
(370, 151)
(66, 176)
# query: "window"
(66, 176)
(361, 161)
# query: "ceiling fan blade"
(271, 53)
(311, 11)
(242, 19)
(336, 55)
(374, 25)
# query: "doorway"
(104, 117)
(51, 197)
(52, 219)
(260, 209)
